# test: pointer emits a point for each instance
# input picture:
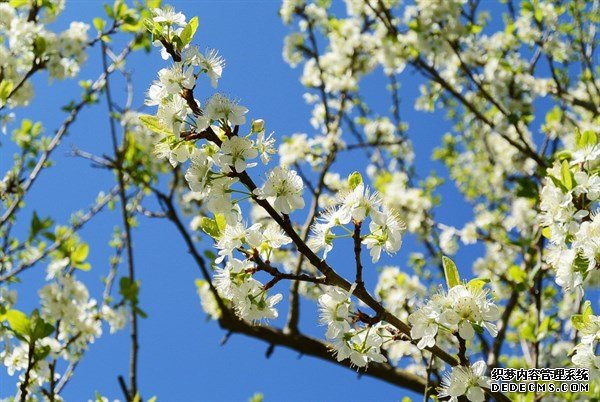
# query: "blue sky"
(180, 356)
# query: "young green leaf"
(18, 322)
(210, 227)
(451, 272)
(153, 124)
(188, 32)
(80, 253)
(354, 180)
(477, 283)
(99, 24)
(39, 328)
(567, 176)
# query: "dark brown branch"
(123, 386)
(278, 275)
(171, 213)
(174, 53)
(357, 251)
(313, 347)
(30, 364)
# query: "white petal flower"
(176, 78)
(221, 108)
(284, 188)
(167, 15)
(386, 234)
(468, 381)
(237, 151)
(212, 64)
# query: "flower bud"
(258, 126)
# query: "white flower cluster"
(66, 302)
(569, 205)
(212, 164)
(27, 46)
(412, 202)
(234, 282)
(360, 344)
(249, 297)
(464, 309)
(469, 381)
(216, 166)
(358, 204)
(399, 291)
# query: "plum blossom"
(284, 189)
(469, 381)
(386, 234)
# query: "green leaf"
(153, 3)
(451, 272)
(221, 222)
(559, 184)
(543, 329)
(354, 180)
(120, 9)
(210, 255)
(6, 87)
(86, 266)
(149, 24)
(40, 328)
(154, 124)
(41, 353)
(80, 253)
(567, 176)
(140, 312)
(39, 46)
(109, 11)
(188, 32)
(477, 283)
(99, 24)
(129, 290)
(18, 3)
(18, 322)
(592, 138)
(580, 321)
(577, 321)
(475, 29)
(516, 274)
(258, 397)
(587, 138)
(210, 227)
(538, 14)
(547, 232)
(38, 225)
(587, 310)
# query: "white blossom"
(284, 189)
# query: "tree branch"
(118, 157)
(312, 347)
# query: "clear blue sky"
(180, 355)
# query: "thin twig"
(118, 157)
